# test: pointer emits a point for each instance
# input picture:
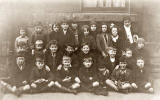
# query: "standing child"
(141, 77)
(53, 35)
(103, 40)
(93, 28)
(38, 39)
(65, 35)
(87, 37)
(22, 41)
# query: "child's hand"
(96, 83)
(32, 52)
(59, 67)
(51, 84)
(90, 78)
(44, 50)
(104, 55)
(67, 79)
(117, 67)
(134, 85)
(33, 85)
(26, 87)
(77, 80)
(75, 86)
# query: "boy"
(18, 74)
(89, 80)
(76, 34)
(22, 41)
(129, 58)
(53, 55)
(65, 35)
(41, 78)
(121, 77)
(93, 28)
(88, 38)
(67, 80)
(38, 37)
(127, 33)
(103, 40)
(141, 77)
(116, 41)
(53, 35)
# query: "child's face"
(86, 31)
(53, 48)
(140, 63)
(140, 45)
(93, 27)
(22, 32)
(114, 32)
(122, 65)
(40, 64)
(65, 26)
(74, 25)
(104, 28)
(39, 44)
(55, 28)
(66, 62)
(85, 49)
(20, 61)
(127, 23)
(129, 53)
(112, 53)
(38, 29)
(87, 63)
(69, 49)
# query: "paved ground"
(88, 96)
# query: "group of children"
(72, 59)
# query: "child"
(53, 35)
(22, 41)
(67, 80)
(116, 41)
(89, 80)
(127, 33)
(111, 60)
(53, 55)
(85, 52)
(41, 78)
(86, 37)
(129, 58)
(38, 37)
(18, 75)
(76, 34)
(103, 40)
(65, 35)
(121, 77)
(93, 28)
(141, 77)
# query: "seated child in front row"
(141, 77)
(67, 80)
(41, 78)
(89, 80)
(19, 73)
(121, 77)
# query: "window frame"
(106, 10)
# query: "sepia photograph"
(79, 50)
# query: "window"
(105, 5)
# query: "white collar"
(115, 38)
